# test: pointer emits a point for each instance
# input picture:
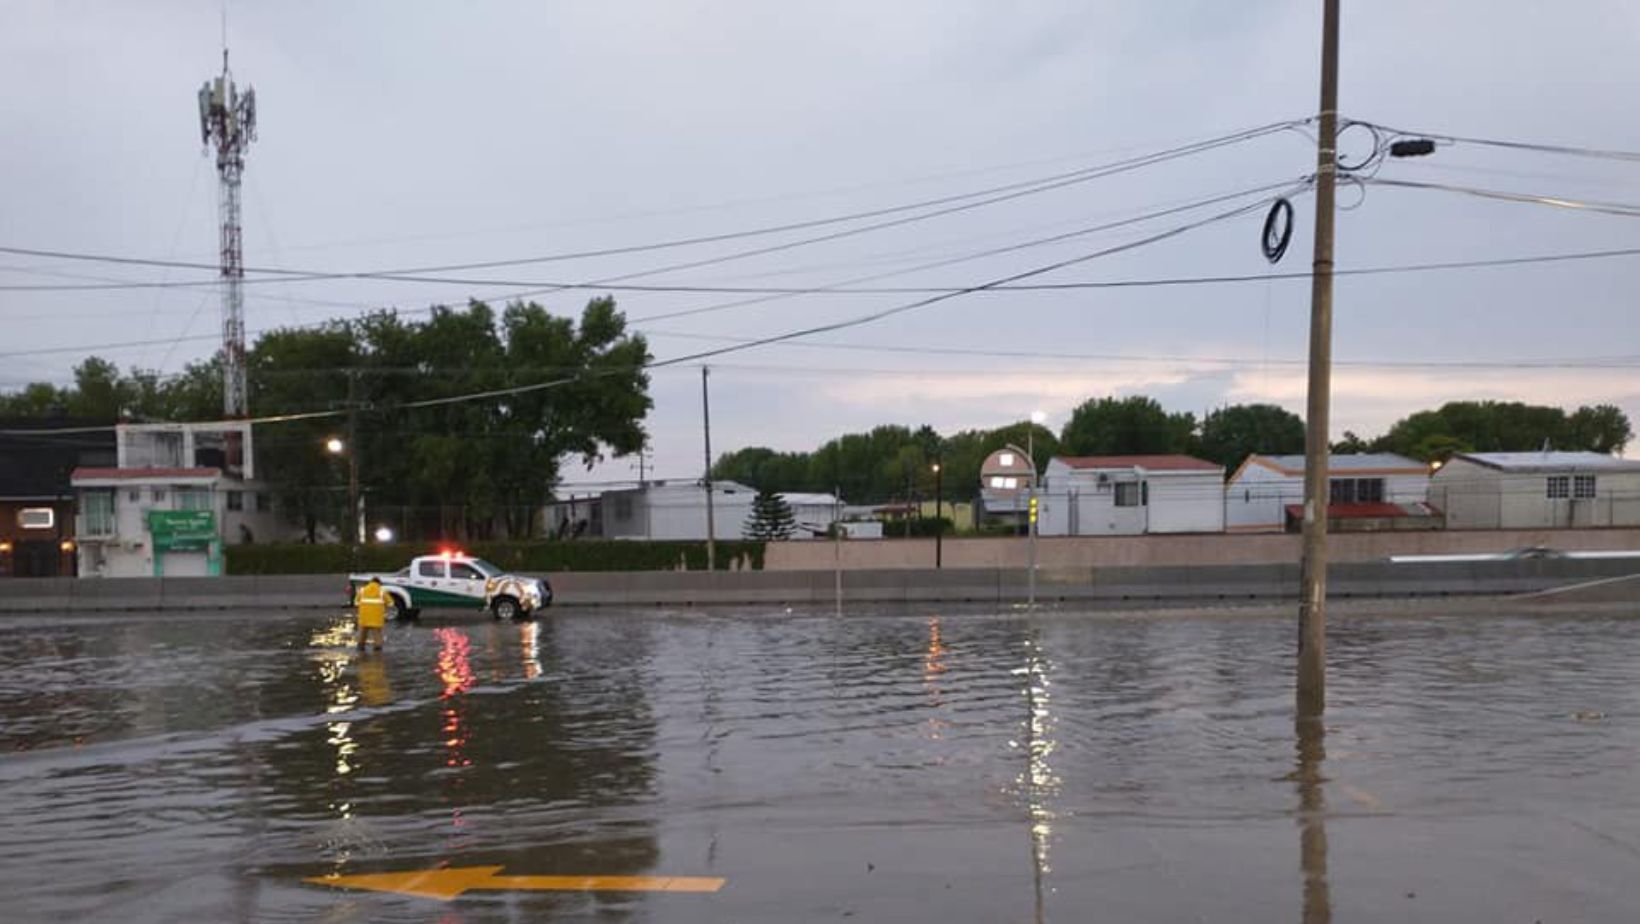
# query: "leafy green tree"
(1233, 433)
(771, 518)
(1505, 426)
(1600, 428)
(1351, 444)
(760, 467)
(1124, 426)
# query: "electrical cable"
(996, 194)
(1627, 210)
(1527, 260)
(1567, 150)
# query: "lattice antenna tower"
(227, 122)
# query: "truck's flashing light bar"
(449, 554)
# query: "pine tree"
(771, 518)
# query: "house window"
(193, 499)
(98, 509)
(1559, 487)
(36, 518)
(236, 500)
(1355, 491)
(264, 502)
(1006, 460)
(134, 495)
(1582, 486)
(1132, 494)
(159, 495)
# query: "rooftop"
(1373, 462)
(1550, 461)
(1154, 463)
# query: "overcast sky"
(412, 134)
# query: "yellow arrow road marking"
(445, 884)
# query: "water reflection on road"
(899, 765)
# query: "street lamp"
(939, 524)
(355, 516)
(384, 534)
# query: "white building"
(1267, 492)
(1535, 490)
(1130, 496)
(676, 510)
(177, 494)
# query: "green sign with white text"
(182, 530)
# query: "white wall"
(1186, 502)
(1256, 498)
(1259, 497)
(1479, 497)
(1076, 503)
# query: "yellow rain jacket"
(372, 606)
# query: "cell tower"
(227, 120)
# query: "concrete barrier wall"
(1200, 549)
(1105, 585)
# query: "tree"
(1351, 444)
(1601, 428)
(771, 518)
(1233, 433)
(1505, 426)
(1125, 426)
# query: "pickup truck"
(450, 579)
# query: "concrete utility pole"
(706, 420)
(227, 119)
(1312, 612)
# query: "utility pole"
(1312, 612)
(227, 120)
(706, 420)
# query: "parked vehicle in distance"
(452, 579)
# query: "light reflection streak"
(933, 666)
(529, 646)
(455, 672)
(1039, 782)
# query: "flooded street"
(908, 765)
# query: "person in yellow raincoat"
(372, 604)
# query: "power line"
(935, 299)
(943, 206)
(1568, 150)
(1627, 210)
(1526, 260)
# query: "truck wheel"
(506, 608)
(396, 610)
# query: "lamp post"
(939, 525)
(355, 521)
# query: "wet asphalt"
(923, 764)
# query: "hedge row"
(528, 557)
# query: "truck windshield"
(484, 567)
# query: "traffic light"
(1033, 510)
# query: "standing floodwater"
(883, 766)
